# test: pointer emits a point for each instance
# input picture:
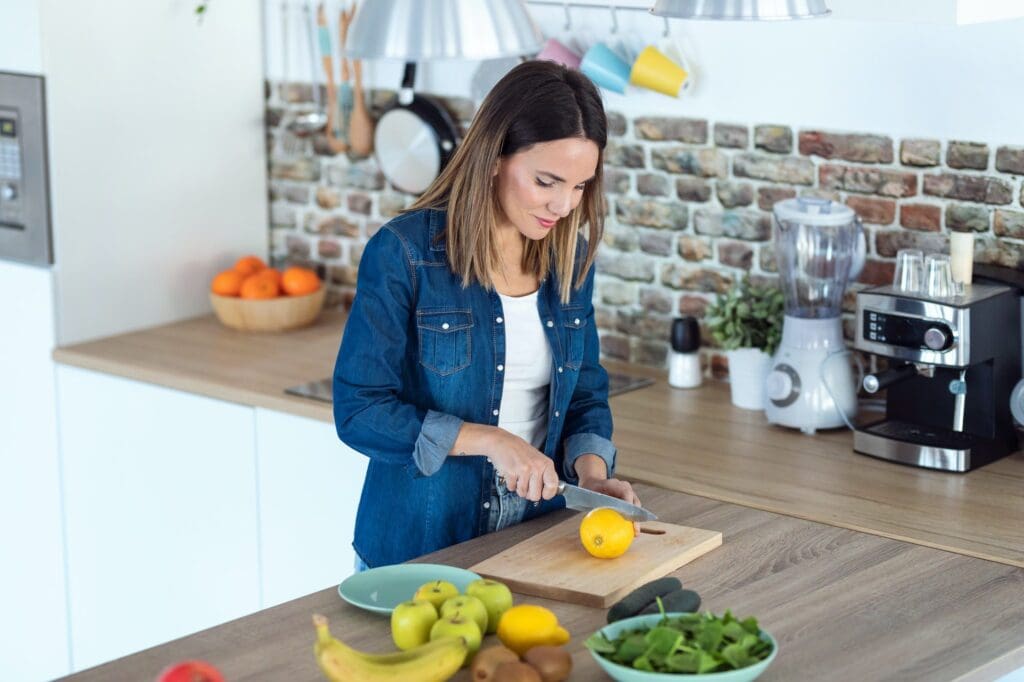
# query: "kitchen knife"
(585, 500)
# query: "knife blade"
(583, 499)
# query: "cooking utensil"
(585, 500)
(414, 139)
(345, 96)
(310, 122)
(554, 565)
(361, 128)
(336, 145)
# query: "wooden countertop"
(842, 605)
(691, 441)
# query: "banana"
(434, 661)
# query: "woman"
(469, 370)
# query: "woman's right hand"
(526, 470)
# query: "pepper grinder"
(684, 360)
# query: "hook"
(568, 17)
(666, 32)
(615, 20)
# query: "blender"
(819, 246)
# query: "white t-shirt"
(524, 399)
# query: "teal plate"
(382, 589)
(624, 674)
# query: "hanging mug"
(555, 50)
(605, 68)
(655, 70)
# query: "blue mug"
(605, 68)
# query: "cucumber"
(682, 601)
(637, 600)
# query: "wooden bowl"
(268, 315)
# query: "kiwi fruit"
(637, 600)
(487, 661)
(682, 601)
(516, 672)
(552, 662)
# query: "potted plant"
(747, 323)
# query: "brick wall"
(689, 208)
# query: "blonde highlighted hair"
(537, 101)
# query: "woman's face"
(542, 184)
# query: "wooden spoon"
(360, 131)
(345, 97)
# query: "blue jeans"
(507, 509)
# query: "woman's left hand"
(613, 487)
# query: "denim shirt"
(421, 355)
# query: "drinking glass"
(938, 275)
(909, 275)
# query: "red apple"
(191, 671)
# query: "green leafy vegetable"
(688, 644)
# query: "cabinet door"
(33, 630)
(161, 514)
(309, 484)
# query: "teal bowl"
(624, 674)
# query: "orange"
(258, 287)
(227, 283)
(299, 281)
(271, 273)
(525, 626)
(247, 265)
(605, 533)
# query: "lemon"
(525, 626)
(605, 533)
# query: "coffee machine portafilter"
(952, 364)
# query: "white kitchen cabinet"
(33, 630)
(160, 512)
(309, 488)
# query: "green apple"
(468, 606)
(497, 599)
(411, 622)
(459, 625)
(436, 592)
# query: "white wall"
(157, 159)
(19, 37)
(927, 79)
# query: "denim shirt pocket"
(446, 344)
(573, 324)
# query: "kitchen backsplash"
(689, 207)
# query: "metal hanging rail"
(614, 9)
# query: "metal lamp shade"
(742, 10)
(418, 30)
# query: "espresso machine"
(952, 363)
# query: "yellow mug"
(655, 71)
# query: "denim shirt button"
(559, 370)
(487, 505)
(557, 413)
(501, 368)
(576, 322)
(445, 325)
(550, 323)
(495, 413)
(499, 320)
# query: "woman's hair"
(537, 101)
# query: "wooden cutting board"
(554, 565)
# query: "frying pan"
(414, 139)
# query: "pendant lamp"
(421, 30)
(741, 10)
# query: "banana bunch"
(434, 661)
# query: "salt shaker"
(684, 360)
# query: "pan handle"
(408, 81)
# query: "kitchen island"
(691, 441)
(843, 605)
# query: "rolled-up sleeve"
(368, 414)
(587, 444)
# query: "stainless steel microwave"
(25, 233)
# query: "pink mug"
(556, 51)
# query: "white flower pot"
(748, 369)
